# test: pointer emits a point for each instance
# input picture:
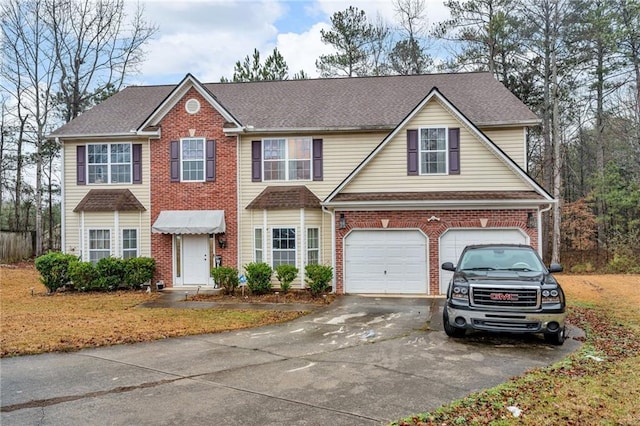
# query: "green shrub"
(318, 278)
(259, 277)
(110, 274)
(226, 277)
(54, 269)
(82, 274)
(138, 270)
(623, 264)
(286, 274)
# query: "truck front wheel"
(450, 330)
(556, 338)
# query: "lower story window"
(99, 244)
(258, 245)
(313, 246)
(284, 246)
(129, 243)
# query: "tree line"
(575, 63)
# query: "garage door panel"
(385, 261)
(453, 242)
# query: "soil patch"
(292, 296)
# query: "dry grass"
(598, 385)
(40, 323)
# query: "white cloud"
(301, 50)
(206, 37)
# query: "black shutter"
(317, 159)
(412, 153)
(454, 151)
(81, 168)
(211, 160)
(175, 161)
(256, 161)
(137, 162)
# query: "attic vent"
(192, 106)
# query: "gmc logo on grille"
(503, 296)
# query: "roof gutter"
(280, 130)
(106, 135)
(438, 205)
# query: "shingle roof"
(285, 197)
(341, 103)
(107, 200)
(438, 196)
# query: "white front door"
(195, 260)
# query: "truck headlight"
(460, 292)
(550, 296)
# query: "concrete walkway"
(361, 361)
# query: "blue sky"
(206, 37)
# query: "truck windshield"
(501, 258)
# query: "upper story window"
(192, 154)
(433, 150)
(109, 163)
(287, 159)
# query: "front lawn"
(598, 385)
(33, 322)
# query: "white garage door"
(454, 241)
(386, 261)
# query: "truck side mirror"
(448, 266)
(555, 267)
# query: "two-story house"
(383, 178)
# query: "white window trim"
(88, 239)
(204, 158)
(108, 164)
(122, 241)
(287, 159)
(295, 239)
(446, 151)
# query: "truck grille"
(507, 298)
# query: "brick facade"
(418, 219)
(218, 195)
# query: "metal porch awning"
(189, 222)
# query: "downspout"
(333, 244)
(238, 204)
(63, 216)
(540, 227)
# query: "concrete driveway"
(361, 361)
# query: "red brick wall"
(218, 195)
(418, 219)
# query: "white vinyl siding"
(480, 169)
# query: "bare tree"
(61, 55)
(95, 48)
(409, 56)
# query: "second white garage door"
(386, 262)
(454, 241)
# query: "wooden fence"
(16, 246)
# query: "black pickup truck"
(504, 288)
